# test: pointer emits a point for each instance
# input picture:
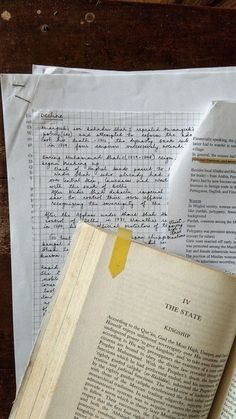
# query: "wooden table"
(97, 34)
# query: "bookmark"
(120, 251)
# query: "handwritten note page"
(107, 168)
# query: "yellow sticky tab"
(120, 251)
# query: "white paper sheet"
(183, 92)
(202, 200)
(47, 69)
(230, 402)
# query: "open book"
(153, 342)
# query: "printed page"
(189, 92)
(229, 406)
(226, 387)
(150, 352)
(202, 205)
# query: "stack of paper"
(98, 146)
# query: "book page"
(138, 349)
(227, 387)
(202, 208)
(229, 406)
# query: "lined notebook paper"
(106, 168)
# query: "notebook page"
(109, 169)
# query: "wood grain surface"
(223, 4)
(97, 34)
